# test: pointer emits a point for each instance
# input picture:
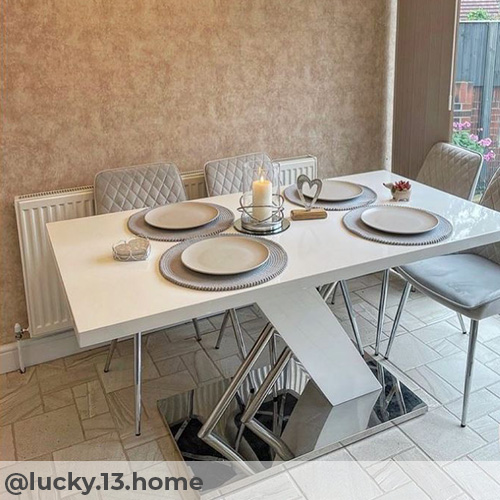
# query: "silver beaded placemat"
(353, 223)
(366, 198)
(173, 270)
(140, 227)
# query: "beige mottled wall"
(94, 84)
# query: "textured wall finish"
(95, 84)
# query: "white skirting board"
(38, 350)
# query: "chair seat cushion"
(466, 283)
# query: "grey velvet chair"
(141, 186)
(467, 282)
(225, 176)
(449, 168)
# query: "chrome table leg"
(381, 310)
(402, 303)
(474, 326)
(137, 380)
(197, 329)
(238, 333)
(111, 350)
(352, 316)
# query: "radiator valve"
(19, 331)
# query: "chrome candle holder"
(261, 204)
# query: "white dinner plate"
(225, 256)
(399, 220)
(185, 215)
(335, 191)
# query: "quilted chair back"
(226, 176)
(141, 186)
(452, 169)
(491, 199)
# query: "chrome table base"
(228, 419)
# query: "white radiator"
(47, 309)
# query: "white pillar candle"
(262, 194)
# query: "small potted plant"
(401, 190)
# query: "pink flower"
(474, 137)
(485, 142)
(490, 155)
(466, 124)
(456, 124)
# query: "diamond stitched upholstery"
(141, 186)
(226, 176)
(451, 169)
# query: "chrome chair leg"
(381, 310)
(402, 303)
(474, 327)
(462, 324)
(197, 329)
(238, 333)
(352, 316)
(137, 381)
(111, 350)
(225, 319)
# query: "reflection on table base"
(295, 420)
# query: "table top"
(110, 299)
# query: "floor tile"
(187, 331)
(90, 399)
(200, 366)
(47, 432)
(147, 452)
(50, 368)
(228, 346)
(493, 344)
(380, 446)
(121, 372)
(7, 451)
(98, 426)
(87, 358)
(372, 295)
(168, 448)
(489, 453)
(483, 353)
(409, 491)
(58, 399)
(122, 407)
(169, 366)
(347, 479)
(67, 378)
(433, 384)
(388, 475)
(408, 352)
(438, 433)
(444, 347)
(106, 447)
(473, 480)
(163, 387)
(427, 310)
(487, 427)
(166, 349)
(489, 328)
(481, 403)
(436, 331)
(19, 397)
(408, 321)
(254, 327)
(452, 369)
(152, 429)
(277, 487)
(427, 475)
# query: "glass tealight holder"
(261, 204)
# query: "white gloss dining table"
(113, 300)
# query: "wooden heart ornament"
(304, 180)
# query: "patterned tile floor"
(70, 409)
